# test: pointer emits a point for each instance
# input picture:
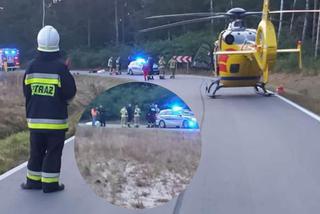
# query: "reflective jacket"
(48, 86)
(162, 64)
(173, 64)
(137, 112)
(124, 112)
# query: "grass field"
(14, 146)
(137, 168)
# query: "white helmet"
(48, 39)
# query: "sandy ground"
(137, 168)
(302, 89)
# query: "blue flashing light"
(192, 124)
(141, 60)
(177, 108)
(11, 52)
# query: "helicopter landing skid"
(260, 88)
(213, 87)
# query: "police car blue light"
(141, 60)
(177, 108)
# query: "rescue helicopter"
(243, 56)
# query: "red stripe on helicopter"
(223, 60)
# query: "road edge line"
(23, 165)
(299, 107)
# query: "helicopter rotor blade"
(184, 15)
(253, 13)
(294, 11)
(181, 23)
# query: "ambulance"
(9, 57)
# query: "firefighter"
(124, 117)
(151, 116)
(48, 88)
(137, 114)
(162, 67)
(102, 116)
(110, 63)
(173, 67)
(130, 115)
(118, 65)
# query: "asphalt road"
(259, 156)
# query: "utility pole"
(292, 16)
(43, 12)
(211, 11)
(305, 22)
(281, 18)
(44, 7)
(116, 21)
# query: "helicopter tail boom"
(234, 52)
(297, 50)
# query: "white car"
(135, 67)
(170, 118)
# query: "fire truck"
(9, 59)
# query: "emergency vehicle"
(11, 57)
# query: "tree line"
(98, 24)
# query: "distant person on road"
(146, 71)
(173, 67)
(48, 88)
(151, 71)
(94, 114)
(124, 117)
(162, 67)
(118, 66)
(110, 63)
(151, 116)
(114, 67)
(102, 116)
(130, 115)
(137, 114)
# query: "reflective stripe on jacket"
(48, 86)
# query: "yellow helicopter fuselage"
(239, 70)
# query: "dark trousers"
(45, 158)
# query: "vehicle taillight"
(16, 60)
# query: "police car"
(177, 118)
(135, 67)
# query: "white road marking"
(304, 110)
(23, 165)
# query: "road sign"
(183, 59)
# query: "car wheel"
(185, 124)
(162, 124)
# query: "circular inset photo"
(138, 145)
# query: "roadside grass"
(12, 111)
(14, 137)
(137, 168)
(14, 150)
